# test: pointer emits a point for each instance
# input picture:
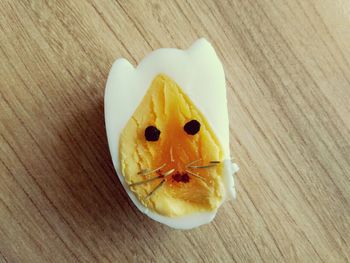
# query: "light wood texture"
(287, 65)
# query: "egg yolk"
(169, 156)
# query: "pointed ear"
(201, 46)
(117, 83)
(120, 66)
(119, 73)
(116, 92)
(204, 56)
(204, 59)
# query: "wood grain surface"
(287, 66)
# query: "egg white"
(199, 73)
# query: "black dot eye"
(192, 127)
(152, 134)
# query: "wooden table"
(287, 66)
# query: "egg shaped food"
(168, 134)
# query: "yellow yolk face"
(189, 179)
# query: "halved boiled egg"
(168, 134)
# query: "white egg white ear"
(201, 45)
(208, 74)
(210, 61)
(116, 89)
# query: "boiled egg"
(168, 134)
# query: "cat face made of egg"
(168, 132)
(178, 99)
